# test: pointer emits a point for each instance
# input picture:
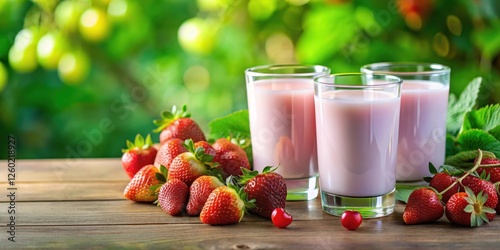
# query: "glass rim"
(397, 81)
(258, 70)
(430, 68)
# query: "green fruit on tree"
(94, 25)
(121, 10)
(73, 67)
(3, 76)
(197, 36)
(50, 49)
(67, 14)
(22, 54)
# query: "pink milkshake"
(282, 124)
(357, 124)
(358, 143)
(422, 128)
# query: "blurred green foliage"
(110, 67)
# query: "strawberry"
(199, 191)
(465, 208)
(478, 185)
(138, 154)
(139, 188)
(168, 151)
(178, 124)
(173, 196)
(267, 188)
(231, 157)
(442, 181)
(190, 165)
(423, 206)
(225, 205)
(494, 173)
(209, 149)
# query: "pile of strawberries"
(467, 198)
(185, 173)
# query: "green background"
(144, 64)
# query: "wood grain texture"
(86, 209)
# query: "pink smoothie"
(422, 128)
(357, 142)
(283, 126)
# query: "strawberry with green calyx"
(178, 124)
(491, 168)
(138, 154)
(466, 208)
(199, 191)
(267, 188)
(232, 158)
(477, 186)
(190, 165)
(168, 151)
(225, 205)
(140, 188)
(423, 206)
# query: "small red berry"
(281, 218)
(351, 219)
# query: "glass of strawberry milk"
(422, 124)
(357, 122)
(282, 124)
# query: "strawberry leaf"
(160, 177)
(168, 117)
(458, 107)
(432, 169)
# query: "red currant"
(281, 218)
(351, 219)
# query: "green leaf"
(404, 191)
(474, 139)
(160, 177)
(465, 159)
(486, 118)
(235, 125)
(495, 132)
(327, 30)
(488, 40)
(458, 108)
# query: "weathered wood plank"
(70, 169)
(128, 213)
(71, 191)
(322, 234)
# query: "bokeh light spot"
(414, 21)
(197, 78)
(441, 44)
(454, 25)
(279, 48)
(261, 9)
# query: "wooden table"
(77, 203)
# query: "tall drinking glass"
(422, 127)
(357, 121)
(282, 124)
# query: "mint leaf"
(234, 125)
(465, 159)
(486, 118)
(474, 139)
(465, 103)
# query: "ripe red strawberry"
(478, 185)
(231, 157)
(173, 196)
(178, 124)
(168, 151)
(442, 181)
(139, 188)
(225, 205)
(267, 188)
(465, 208)
(188, 166)
(138, 154)
(209, 149)
(423, 206)
(199, 191)
(494, 173)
